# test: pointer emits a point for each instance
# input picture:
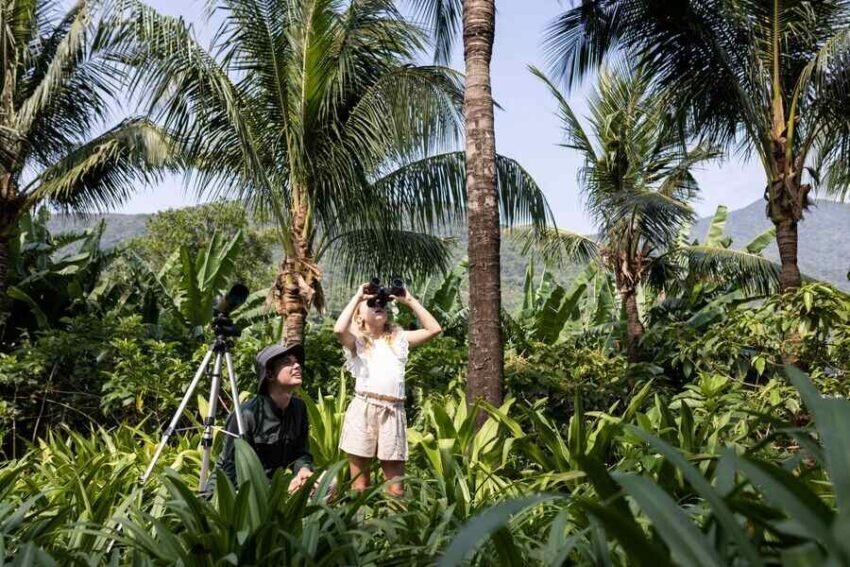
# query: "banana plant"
(187, 287)
(56, 276)
(715, 265)
(550, 312)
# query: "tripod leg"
(206, 440)
(170, 429)
(234, 392)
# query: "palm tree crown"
(60, 73)
(636, 181)
(770, 76)
(313, 113)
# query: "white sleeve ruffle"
(402, 347)
(353, 363)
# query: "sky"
(527, 128)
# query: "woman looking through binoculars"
(376, 353)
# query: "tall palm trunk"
(10, 206)
(787, 199)
(485, 332)
(786, 239)
(634, 327)
(4, 272)
(296, 280)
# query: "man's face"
(287, 371)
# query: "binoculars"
(381, 293)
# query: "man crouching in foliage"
(275, 420)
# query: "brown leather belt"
(371, 396)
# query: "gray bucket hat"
(269, 354)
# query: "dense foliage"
(590, 459)
(664, 402)
(709, 476)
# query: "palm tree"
(486, 360)
(59, 73)
(637, 183)
(312, 113)
(769, 76)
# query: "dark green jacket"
(280, 438)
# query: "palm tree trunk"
(787, 199)
(789, 279)
(294, 282)
(291, 304)
(10, 210)
(484, 379)
(787, 240)
(634, 327)
(4, 273)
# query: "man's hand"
(299, 479)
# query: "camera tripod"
(224, 330)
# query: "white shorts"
(375, 428)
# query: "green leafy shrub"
(561, 370)
(810, 325)
(145, 381)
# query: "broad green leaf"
(762, 241)
(20, 295)
(832, 419)
(639, 548)
(724, 515)
(688, 545)
(790, 493)
(471, 536)
(716, 234)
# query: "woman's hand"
(406, 299)
(361, 294)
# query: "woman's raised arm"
(343, 323)
(430, 326)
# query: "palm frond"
(192, 95)
(650, 217)
(577, 42)
(53, 78)
(410, 111)
(700, 52)
(360, 254)
(101, 174)
(430, 193)
(558, 246)
(443, 18)
(753, 273)
(577, 139)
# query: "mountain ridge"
(824, 238)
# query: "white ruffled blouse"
(379, 369)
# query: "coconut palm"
(312, 113)
(57, 146)
(484, 377)
(636, 181)
(770, 77)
